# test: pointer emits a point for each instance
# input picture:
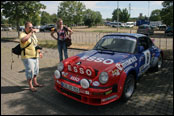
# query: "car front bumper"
(91, 96)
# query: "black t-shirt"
(62, 33)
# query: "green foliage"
(123, 15)
(167, 13)
(21, 11)
(155, 15)
(45, 18)
(92, 18)
(71, 12)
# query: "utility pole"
(148, 9)
(117, 15)
(130, 9)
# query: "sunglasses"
(30, 27)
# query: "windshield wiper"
(105, 51)
(103, 47)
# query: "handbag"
(17, 49)
(68, 42)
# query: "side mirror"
(140, 49)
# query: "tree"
(71, 12)
(167, 13)
(98, 19)
(115, 13)
(89, 18)
(155, 15)
(18, 10)
(92, 18)
(123, 15)
(53, 18)
(36, 20)
(45, 18)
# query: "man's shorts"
(31, 67)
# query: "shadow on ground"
(48, 101)
(12, 89)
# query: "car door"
(145, 56)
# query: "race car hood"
(100, 60)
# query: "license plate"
(70, 87)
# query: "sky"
(106, 8)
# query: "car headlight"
(84, 83)
(57, 74)
(60, 66)
(103, 78)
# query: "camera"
(38, 48)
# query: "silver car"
(145, 29)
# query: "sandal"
(39, 85)
(33, 89)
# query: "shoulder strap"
(26, 47)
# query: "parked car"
(6, 28)
(129, 24)
(47, 28)
(162, 27)
(21, 28)
(169, 31)
(145, 29)
(109, 71)
(115, 24)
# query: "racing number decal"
(147, 58)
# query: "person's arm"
(24, 39)
(71, 32)
(52, 35)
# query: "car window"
(117, 44)
(143, 42)
(150, 43)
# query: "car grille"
(71, 93)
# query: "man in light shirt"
(30, 55)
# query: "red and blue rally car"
(109, 71)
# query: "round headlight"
(84, 83)
(57, 74)
(103, 78)
(60, 66)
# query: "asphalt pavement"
(153, 96)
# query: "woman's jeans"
(62, 46)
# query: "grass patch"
(48, 43)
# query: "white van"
(129, 24)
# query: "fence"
(87, 40)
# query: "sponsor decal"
(118, 69)
(119, 66)
(78, 63)
(97, 60)
(64, 74)
(109, 98)
(96, 83)
(129, 61)
(75, 78)
(115, 72)
(84, 91)
(81, 70)
(58, 82)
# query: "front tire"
(159, 64)
(129, 88)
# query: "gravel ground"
(153, 96)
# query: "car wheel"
(129, 88)
(159, 63)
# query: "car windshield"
(117, 44)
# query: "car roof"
(135, 35)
